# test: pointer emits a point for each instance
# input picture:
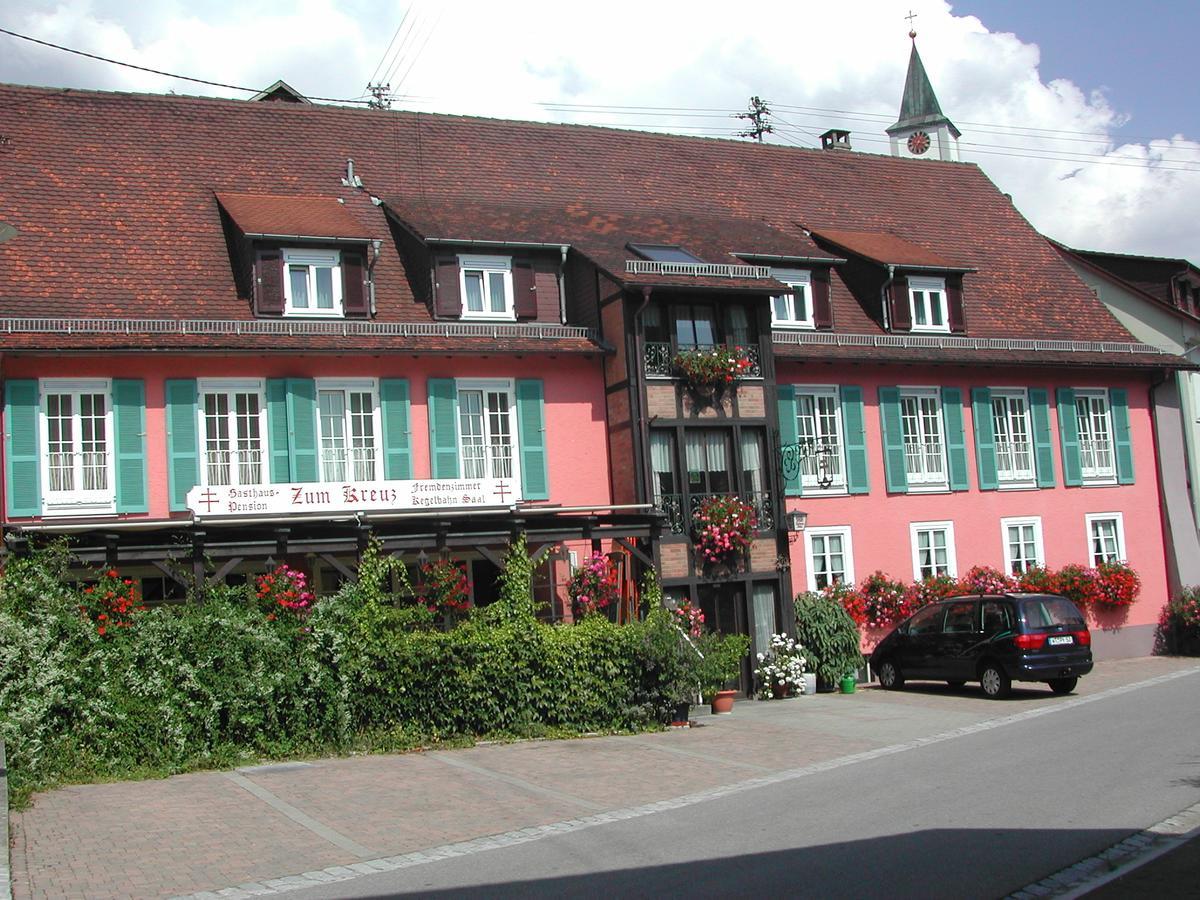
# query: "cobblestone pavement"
(208, 831)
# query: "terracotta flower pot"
(722, 702)
(779, 691)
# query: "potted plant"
(723, 527)
(829, 636)
(720, 662)
(780, 670)
(709, 368)
(594, 587)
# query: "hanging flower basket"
(723, 527)
(594, 587)
(712, 367)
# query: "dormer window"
(794, 310)
(664, 253)
(927, 302)
(313, 286)
(487, 287)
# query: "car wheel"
(956, 684)
(995, 681)
(890, 676)
(1063, 685)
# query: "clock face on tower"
(918, 143)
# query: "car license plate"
(1061, 639)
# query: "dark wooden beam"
(171, 572)
(337, 564)
(229, 566)
(636, 551)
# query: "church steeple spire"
(922, 129)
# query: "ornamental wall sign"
(918, 143)
(352, 497)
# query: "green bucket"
(848, 684)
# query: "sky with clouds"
(1086, 168)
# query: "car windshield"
(1047, 612)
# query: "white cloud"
(504, 59)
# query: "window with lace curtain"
(707, 457)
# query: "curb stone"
(1121, 858)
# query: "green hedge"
(212, 683)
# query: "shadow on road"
(895, 866)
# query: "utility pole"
(757, 116)
(382, 94)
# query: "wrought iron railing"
(658, 357)
(679, 521)
(221, 465)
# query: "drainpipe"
(642, 453)
(883, 294)
(376, 251)
(562, 285)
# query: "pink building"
(237, 332)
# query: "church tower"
(922, 131)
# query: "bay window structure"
(1022, 544)
(1096, 452)
(486, 287)
(1013, 438)
(347, 430)
(232, 426)
(1106, 538)
(313, 283)
(933, 550)
(794, 310)
(77, 428)
(487, 429)
(828, 557)
(927, 303)
(924, 443)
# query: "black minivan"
(994, 639)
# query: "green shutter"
(183, 440)
(858, 480)
(302, 428)
(1043, 449)
(443, 428)
(129, 427)
(985, 438)
(1118, 402)
(22, 461)
(895, 474)
(397, 446)
(956, 442)
(1068, 436)
(531, 432)
(788, 436)
(278, 445)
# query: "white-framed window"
(1096, 454)
(77, 428)
(348, 429)
(487, 287)
(233, 427)
(1106, 537)
(487, 429)
(793, 310)
(924, 440)
(1014, 437)
(312, 284)
(1022, 544)
(927, 300)
(828, 557)
(819, 432)
(933, 549)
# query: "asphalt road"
(974, 815)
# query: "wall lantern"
(797, 520)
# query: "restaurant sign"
(351, 497)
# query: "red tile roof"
(113, 195)
(321, 217)
(885, 249)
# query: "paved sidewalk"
(212, 830)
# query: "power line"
(117, 62)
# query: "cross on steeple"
(912, 31)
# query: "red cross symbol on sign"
(209, 499)
(502, 491)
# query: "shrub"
(722, 661)
(885, 602)
(829, 636)
(1179, 624)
